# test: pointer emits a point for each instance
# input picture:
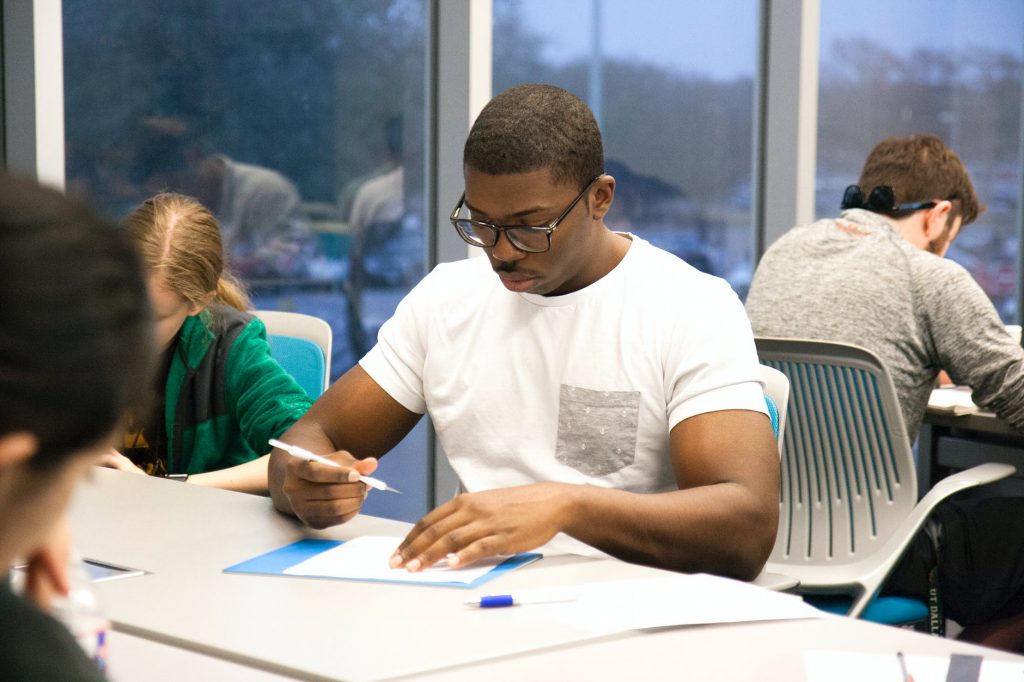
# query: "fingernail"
(396, 561)
(353, 476)
(413, 565)
(452, 559)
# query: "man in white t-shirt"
(580, 380)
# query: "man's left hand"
(475, 526)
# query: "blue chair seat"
(887, 610)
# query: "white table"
(186, 535)
(136, 659)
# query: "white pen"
(303, 453)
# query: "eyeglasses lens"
(528, 240)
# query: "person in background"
(265, 233)
(580, 380)
(220, 396)
(76, 345)
(876, 277)
(373, 206)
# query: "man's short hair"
(921, 168)
(535, 126)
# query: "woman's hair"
(179, 239)
(76, 346)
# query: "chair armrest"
(905, 531)
(975, 476)
(776, 581)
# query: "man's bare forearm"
(722, 528)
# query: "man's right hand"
(322, 495)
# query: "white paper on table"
(367, 557)
(672, 599)
(952, 399)
(848, 666)
(566, 544)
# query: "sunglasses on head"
(881, 200)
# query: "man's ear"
(936, 219)
(601, 200)
(16, 448)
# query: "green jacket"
(225, 396)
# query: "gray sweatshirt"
(857, 280)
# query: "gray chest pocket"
(597, 429)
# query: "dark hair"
(76, 347)
(535, 126)
(921, 168)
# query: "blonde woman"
(219, 395)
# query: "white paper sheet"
(672, 599)
(846, 666)
(952, 399)
(366, 558)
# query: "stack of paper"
(952, 400)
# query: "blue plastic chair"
(302, 359)
(302, 345)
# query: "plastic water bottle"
(83, 615)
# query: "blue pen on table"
(493, 601)
(303, 453)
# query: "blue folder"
(279, 560)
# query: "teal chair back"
(303, 359)
(302, 345)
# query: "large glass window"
(949, 67)
(672, 85)
(299, 124)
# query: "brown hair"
(921, 168)
(179, 239)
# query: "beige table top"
(185, 535)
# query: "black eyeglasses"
(528, 238)
(881, 200)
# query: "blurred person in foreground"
(75, 347)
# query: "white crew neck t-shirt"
(581, 388)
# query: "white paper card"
(952, 399)
(367, 557)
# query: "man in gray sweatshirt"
(876, 277)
